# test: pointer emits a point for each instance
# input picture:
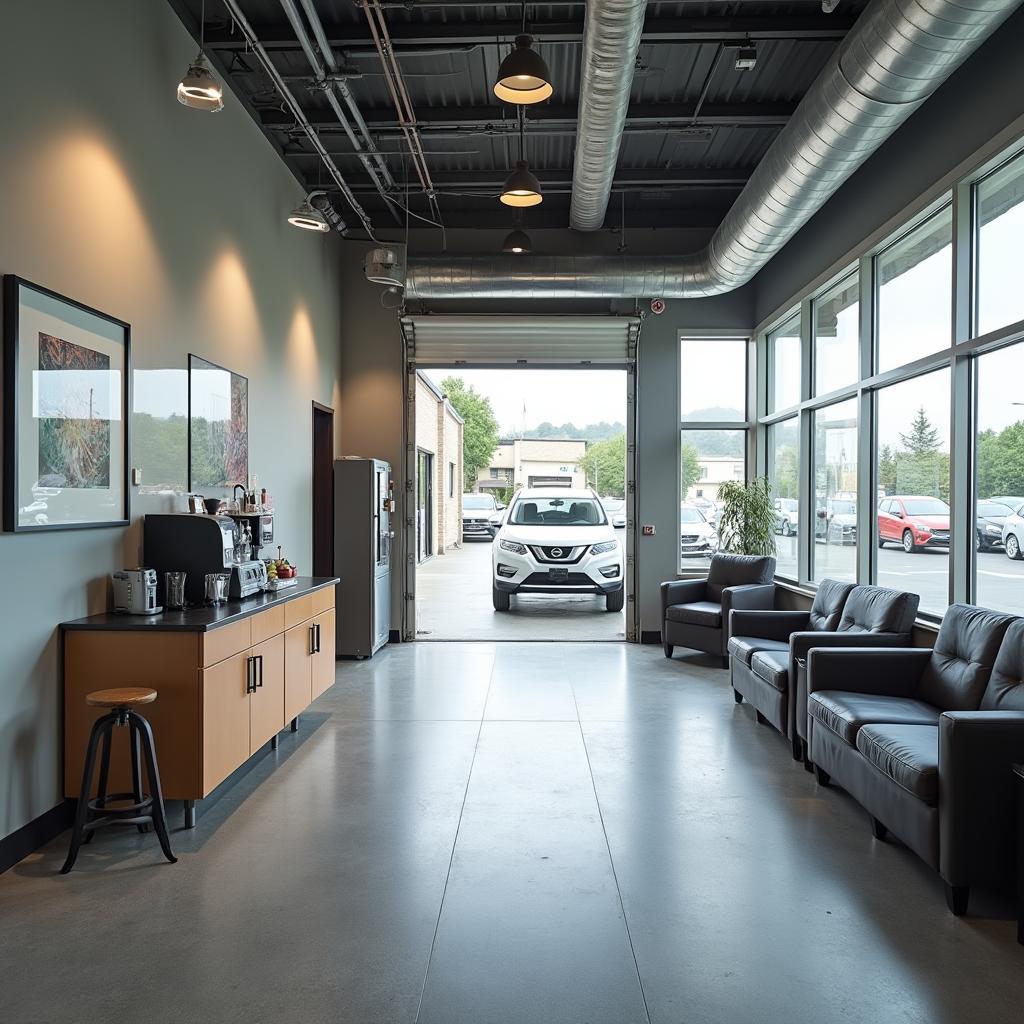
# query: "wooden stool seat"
(121, 697)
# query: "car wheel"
(881, 541)
(908, 542)
(502, 599)
(615, 600)
(1012, 547)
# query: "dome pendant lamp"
(523, 77)
(517, 241)
(521, 188)
(199, 89)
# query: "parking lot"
(1000, 581)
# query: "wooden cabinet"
(225, 702)
(323, 660)
(266, 703)
(298, 669)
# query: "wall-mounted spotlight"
(199, 89)
(746, 57)
(308, 217)
(517, 243)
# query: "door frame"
(425, 459)
(322, 539)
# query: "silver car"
(1013, 534)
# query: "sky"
(580, 397)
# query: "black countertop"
(202, 617)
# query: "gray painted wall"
(974, 106)
(172, 219)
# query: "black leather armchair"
(695, 613)
(925, 740)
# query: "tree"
(786, 472)
(689, 468)
(480, 434)
(604, 466)
(887, 469)
(923, 438)
(920, 467)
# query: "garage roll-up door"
(521, 340)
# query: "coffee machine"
(190, 543)
(261, 528)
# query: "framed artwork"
(218, 426)
(66, 412)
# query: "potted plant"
(746, 525)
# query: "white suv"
(557, 541)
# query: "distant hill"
(569, 431)
(713, 414)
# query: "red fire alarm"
(648, 531)
(657, 306)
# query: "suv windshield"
(926, 507)
(479, 501)
(690, 515)
(993, 508)
(558, 512)
(843, 508)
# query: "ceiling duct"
(611, 39)
(897, 54)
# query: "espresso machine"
(261, 529)
(189, 543)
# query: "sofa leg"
(798, 749)
(737, 696)
(822, 776)
(761, 720)
(669, 648)
(957, 897)
(878, 830)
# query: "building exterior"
(438, 471)
(713, 471)
(534, 462)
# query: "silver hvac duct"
(897, 54)
(611, 38)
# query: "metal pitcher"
(174, 589)
(216, 587)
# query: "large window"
(1000, 480)
(835, 492)
(784, 473)
(915, 288)
(784, 364)
(713, 380)
(912, 529)
(1000, 202)
(836, 337)
(708, 459)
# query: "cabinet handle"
(250, 674)
(317, 628)
(312, 639)
(259, 659)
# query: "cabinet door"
(225, 719)
(298, 669)
(323, 660)
(266, 705)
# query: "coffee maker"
(261, 528)
(190, 543)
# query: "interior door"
(266, 710)
(424, 506)
(323, 490)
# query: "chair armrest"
(748, 596)
(892, 672)
(766, 625)
(977, 819)
(682, 592)
(801, 643)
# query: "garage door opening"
(527, 538)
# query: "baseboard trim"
(650, 636)
(38, 832)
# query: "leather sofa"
(695, 613)
(924, 740)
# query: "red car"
(914, 521)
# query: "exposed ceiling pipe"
(897, 54)
(611, 39)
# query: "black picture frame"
(243, 475)
(13, 404)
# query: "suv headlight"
(514, 546)
(604, 546)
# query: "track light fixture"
(199, 89)
(517, 243)
(523, 76)
(521, 188)
(308, 217)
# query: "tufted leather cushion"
(735, 570)
(878, 610)
(772, 667)
(697, 613)
(743, 648)
(1005, 690)
(827, 609)
(961, 663)
(844, 713)
(907, 754)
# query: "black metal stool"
(143, 810)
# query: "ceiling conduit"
(897, 54)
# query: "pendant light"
(199, 89)
(308, 217)
(523, 76)
(517, 241)
(522, 188)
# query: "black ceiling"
(696, 126)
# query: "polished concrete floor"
(509, 834)
(453, 602)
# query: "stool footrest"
(136, 807)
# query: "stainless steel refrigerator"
(363, 540)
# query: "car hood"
(564, 536)
(932, 522)
(844, 519)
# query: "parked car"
(990, 518)
(835, 522)
(1013, 534)
(787, 516)
(557, 541)
(1013, 501)
(697, 536)
(615, 508)
(915, 521)
(478, 511)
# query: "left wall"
(174, 220)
